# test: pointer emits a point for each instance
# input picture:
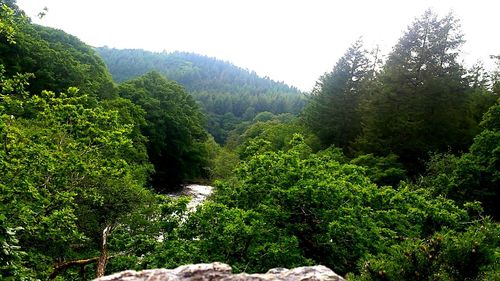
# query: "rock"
(222, 272)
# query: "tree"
(57, 59)
(276, 133)
(332, 111)
(474, 175)
(420, 103)
(447, 255)
(70, 174)
(496, 75)
(7, 25)
(481, 92)
(319, 209)
(382, 170)
(174, 128)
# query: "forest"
(228, 95)
(387, 170)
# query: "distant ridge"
(195, 72)
(227, 93)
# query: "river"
(197, 192)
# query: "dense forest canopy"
(196, 72)
(228, 94)
(391, 171)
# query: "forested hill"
(390, 172)
(228, 94)
(58, 60)
(196, 72)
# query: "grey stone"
(222, 272)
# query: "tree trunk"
(103, 257)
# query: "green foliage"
(56, 59)
(76, 163)
(226, 111)
(196, 72)
(332, 111)
(382, 170)
(474, 175)
(420, 103)
(221, 160)
(447, 255)
(319, 209)
(269, 132)
(11, 267)
(7, 24)
(491, 119)
(481, 84)
(69, 168)
(263, 116)
(228, 94)
(241, 238)
(139, 240)
(174, 128)
(495, 76)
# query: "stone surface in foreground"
(222, 272)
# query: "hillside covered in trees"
(390, 172)
(228, 94)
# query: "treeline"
(197, 73)
(390, 172)
(421, 100)
(228, 94)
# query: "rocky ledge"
(223, 272)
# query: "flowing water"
(197, 192)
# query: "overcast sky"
(288, 40)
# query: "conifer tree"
(333, 109)
(420, 101)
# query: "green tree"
(226, 93)
(319, 209)
(174, 128)
(447, 255)
(277, 134)
(481, 90)
(7, 25)
(473, 176)
(332, 112)
(496, 75)
(420, 102)
(382, 170)
(70, 173)
(57, 59)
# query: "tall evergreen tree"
(420, 101)
(333, 109)
(496, 75)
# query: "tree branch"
(61, 267)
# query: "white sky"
(294, 41)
